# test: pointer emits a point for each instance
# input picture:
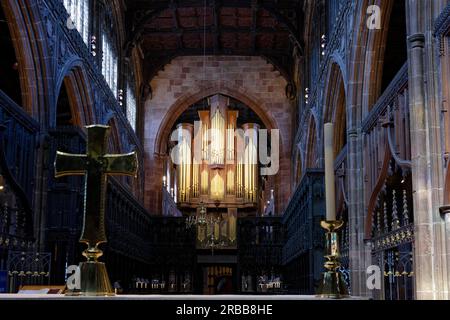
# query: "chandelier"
(212, 225)
(199, 219)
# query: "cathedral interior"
(225, 105)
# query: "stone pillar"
(429, 254)
(359, 253)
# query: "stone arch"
(376, 191)
(366, 73)
(19, 18)
(364, 69)
(311, 145)
(374, 55)
(118, 16)
(335, 103)
(9, 67)
(75, 80)
(183, 103)
(298, 167)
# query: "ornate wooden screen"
(303, 250)
(18, 145)
(172, 254)
(260, 243)
(389, 225)
(65, 205)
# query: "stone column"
(429, 256)
(359, 253)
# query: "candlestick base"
(332, 285)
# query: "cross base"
(94, 280)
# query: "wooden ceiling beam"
(176, 23)
(212, 30)
(254, 24)
(216, 25)
(154, 8)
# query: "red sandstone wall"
(185, 81)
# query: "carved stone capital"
(417, 40)
(445, 209)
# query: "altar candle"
(329, 172)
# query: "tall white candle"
(329, 172)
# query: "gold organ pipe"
(185, 155)
(195, 180)
(218, 137)
(230, 182)
(204, 181)
(250, 160)
(230, 147)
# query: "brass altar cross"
(96, 165)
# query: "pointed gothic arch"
(184, 102)
(26, 54)
(9, 66)
(311, 153)
(74, 89)
(377, 51)
(298, 165)
(336, 106)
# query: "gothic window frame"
(110, 51)
(131, 106)
(83, 22)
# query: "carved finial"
(405, 209)
(395, 220)
(385, 218)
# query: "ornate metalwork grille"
(393, 236)
(28, 268)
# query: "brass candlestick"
(332, 285)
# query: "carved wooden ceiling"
(167, 29)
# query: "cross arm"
(122, 164)
(67, 164)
